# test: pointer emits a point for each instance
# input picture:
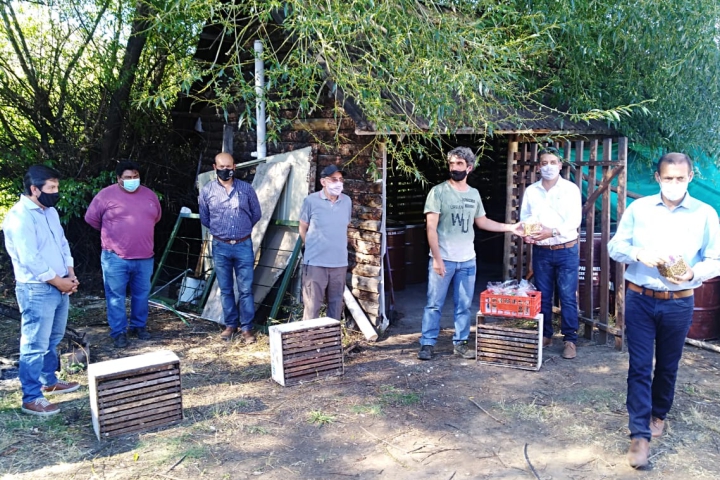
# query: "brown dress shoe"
(657, 427)
(638, 453)
(249, 337)
(547, 341)
(570, 351)
(228, 333)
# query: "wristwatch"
(555, 232)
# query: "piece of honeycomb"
(670, 270)
(532, 228)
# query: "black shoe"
(465, 351)
(140, 332)
(426, 352)
(120, 341)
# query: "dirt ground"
(389, 416)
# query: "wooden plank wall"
(331, 135)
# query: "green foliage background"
(415, 69)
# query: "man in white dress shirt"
(555, 204)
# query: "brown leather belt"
(659, 295)
(232, 241)
(561, 246)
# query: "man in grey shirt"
(324, 220)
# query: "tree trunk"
(119, 102)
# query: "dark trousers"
(653, 328)
(316, 283)
(558, 267)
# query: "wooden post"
(620, 267)
(510, 204)
(604, 239)
(587, 301)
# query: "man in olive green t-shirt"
(451, 210)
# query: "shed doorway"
(405, 226)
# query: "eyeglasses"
(335, 180)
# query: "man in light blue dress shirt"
(659, 310)
(44, 279)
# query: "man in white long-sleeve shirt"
(555, 204)
(659, 310)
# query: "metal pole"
(259, 102)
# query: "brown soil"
(389, 416)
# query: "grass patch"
(320, 418)
(533, 412)
(390, 395)
(257, 430)
(374, 409)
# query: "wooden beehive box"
(499, 343)
(135, 394)
(305, 351)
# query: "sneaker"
(248, 337)
(656, 427)
(120, 341)
(140, 332)
(40, 407)
(228, 333)
(547, 342)
(570, 351)
(61, 387)
(464, 350)
(426, 352)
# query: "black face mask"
(458, 175)
(48, 199)
(225, 175)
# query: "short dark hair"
(675, 159)
(126, 165)
(37, 175)
(549, 150)
(463, 152)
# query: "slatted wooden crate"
(135, 394)
(507, 346)
(305, 351)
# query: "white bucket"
(191, 289)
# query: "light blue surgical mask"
(131, 185)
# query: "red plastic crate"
(510, 305)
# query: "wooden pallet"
(305, 351)
(135, 394)
(505, 346)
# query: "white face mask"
(334, 189)
(674, 191)
(550, 171)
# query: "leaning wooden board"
(499, 343)
(305, 351)
(134, 394)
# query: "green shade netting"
(705, 186)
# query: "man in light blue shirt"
(653, 232)
(44, 278)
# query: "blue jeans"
(558, 267)
(462, 275)
(118, 274)
(656, 327)
(239, 260)
(44, 317)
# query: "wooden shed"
(339, 134)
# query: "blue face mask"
(131, 185)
